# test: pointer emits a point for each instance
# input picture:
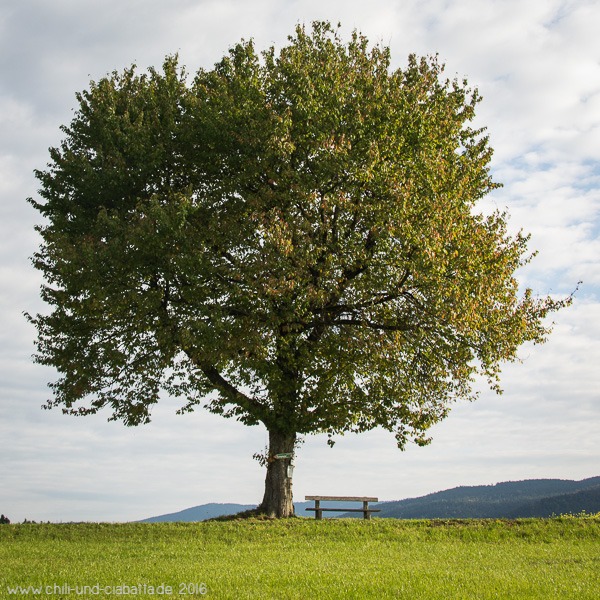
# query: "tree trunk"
(277, 501)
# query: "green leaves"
(296, 232)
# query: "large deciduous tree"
(292, 239)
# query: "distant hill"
(513, 499)
(201, 513)
(583, 501)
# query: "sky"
(537, 66)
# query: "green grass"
(301, 558)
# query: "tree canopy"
(291, 238)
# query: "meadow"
(304, 558)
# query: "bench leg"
(366, 513)
(318, 513)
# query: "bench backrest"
(343, 498)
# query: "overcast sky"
(537, 65)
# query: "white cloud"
(558, 203)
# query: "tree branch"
(252, 406)
(359, 323)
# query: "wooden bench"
(318, 509)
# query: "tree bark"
(278, 501)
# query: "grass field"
(302, 558)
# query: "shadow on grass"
(253, 513)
